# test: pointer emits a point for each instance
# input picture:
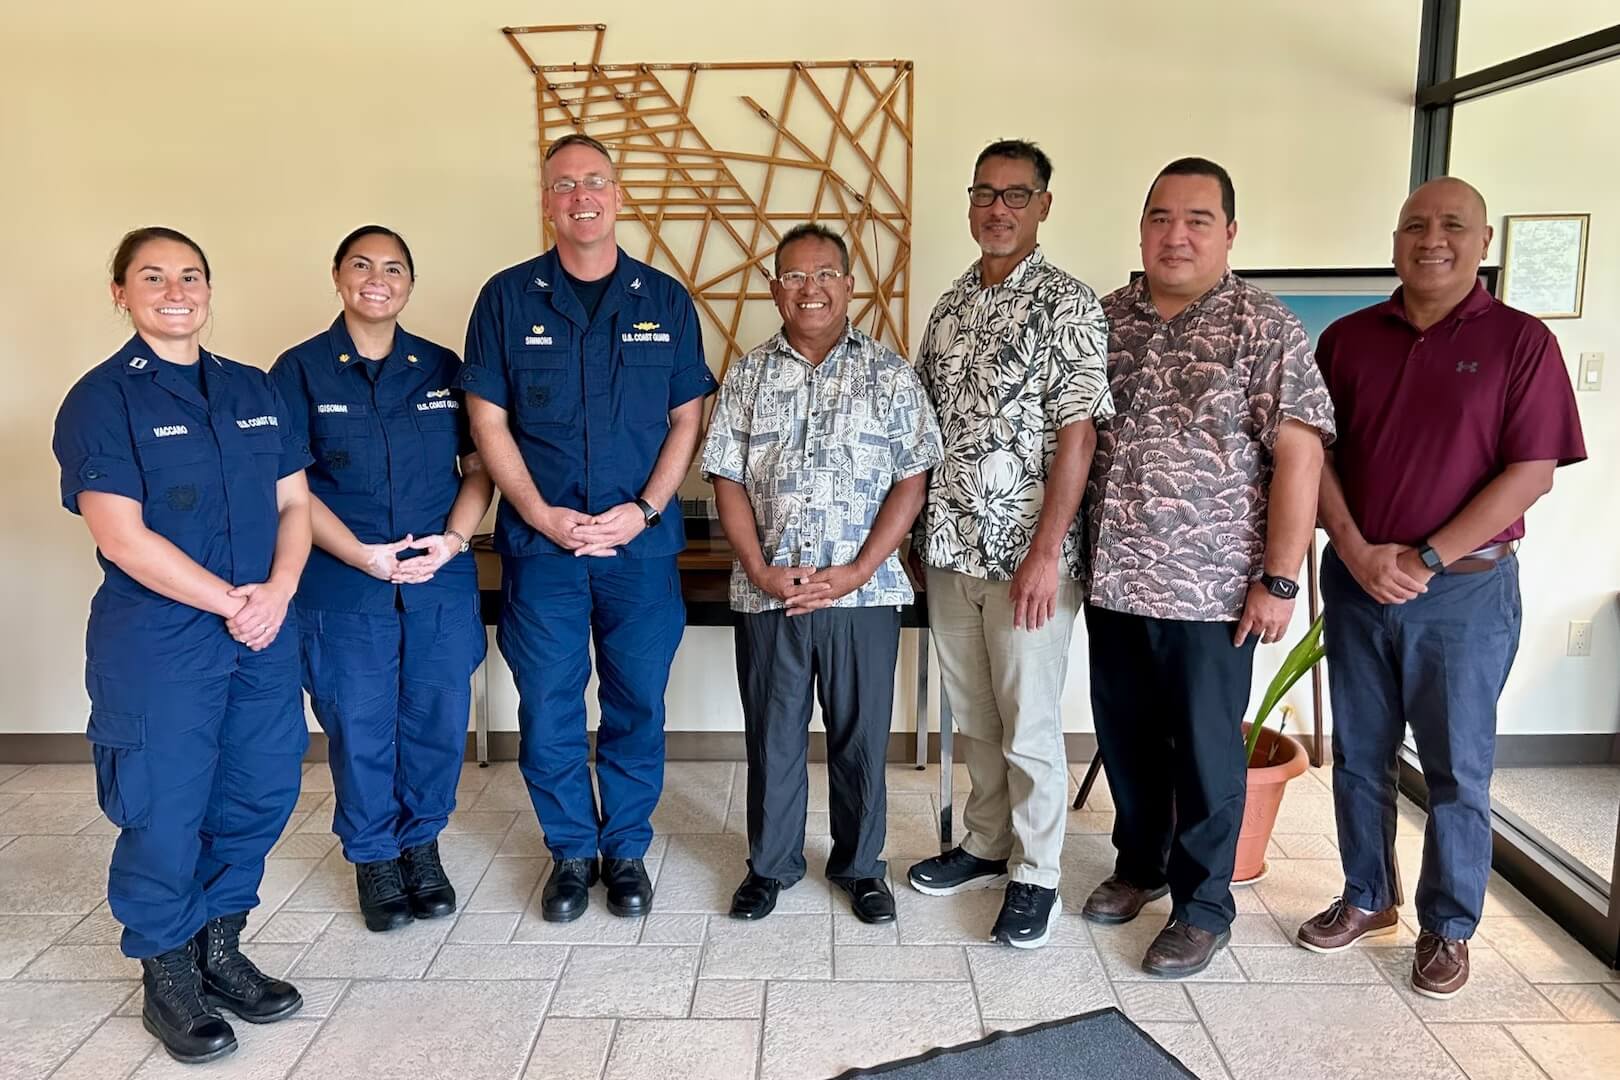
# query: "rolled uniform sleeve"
(1287, 384)
(93, 445)
(1077, 358)
(485, 371)
(914, 439)
(292, 406)
(1540, 421)
(726, 448)
(690, 377)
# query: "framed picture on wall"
(1544, 263)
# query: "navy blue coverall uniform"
(386, 666)
(588, 401)
(198, 741)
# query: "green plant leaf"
(1300, 659)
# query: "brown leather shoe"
(1342, 925)
(1118, 901)
(1182, 949)
(1440, 968)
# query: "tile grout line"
(1209, 1036)
(1528, 1056)
(320, 1025)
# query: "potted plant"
(1274, 758)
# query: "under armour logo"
(1469, 366)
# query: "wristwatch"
(1284, 588)
(465, 544)
(649, 512)
(1431, 558)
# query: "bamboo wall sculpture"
(712, 213)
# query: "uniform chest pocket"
(439, 424)
(646, 382)
(181, 473)
(543, 387)
(344, 447)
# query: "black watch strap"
(1431, 558)
(1284, 588)
(649, 512)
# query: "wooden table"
(705, 568)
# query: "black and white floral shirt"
(1005, 368)
(818, 447)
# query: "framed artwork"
(1544, 263)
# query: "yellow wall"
(268, 131)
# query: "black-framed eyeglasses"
(1016, 198)
(566, 185)
(794, 280)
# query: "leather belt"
(1486, 558)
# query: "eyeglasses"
(794, 280)
(1016, 198)
(567, 184)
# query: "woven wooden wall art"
(711, 177)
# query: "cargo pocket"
(123, 776)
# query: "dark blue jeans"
(1436, 663)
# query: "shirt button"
(93, 474)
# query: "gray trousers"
(846, 658)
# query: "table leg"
(945, 723)
(481, 713)
(922, 699)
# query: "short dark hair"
(1018, 150)
(1197, 166)
(812, 230)
(135, 239)
(576, 138)
(374, 230)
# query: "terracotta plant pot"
(1266, 784)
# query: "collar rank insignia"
(138, 363)
(343, 358)
(410, 358)
(636, 284)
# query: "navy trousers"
(201, 776)
(392, 692)
(631, 609)
(1436, 664)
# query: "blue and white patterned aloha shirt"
(818, 447)
(1005, 367)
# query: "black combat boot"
(426, 886)
(174, 1011)
(382, 895)
(231, 981)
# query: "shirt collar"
(545, 275)
(1026, 266)
(346, 355)
(139, 358)
(1475, 304)
(1142, 297)
(779, 343)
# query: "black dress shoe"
(629, 889)
(382, 895)
(232, 981)
(869, 898)
(427, 887)
(174, 1011)
(755, 898)
(568, 890)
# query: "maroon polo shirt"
(1428, 418)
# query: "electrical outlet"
(1590, 376)
(1580, 637)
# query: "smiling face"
(583, 219)
(373, 279)
(812, 312)
(166, 292)
(1002, 232)
(1185, 236)
(1440, 240)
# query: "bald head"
(1440, 240)
(1448, 189)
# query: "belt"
(1486, 558)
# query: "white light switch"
(1591, 373)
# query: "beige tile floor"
(498, 992)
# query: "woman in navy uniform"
(184, 467)
(388, 607)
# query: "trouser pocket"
(123, 774)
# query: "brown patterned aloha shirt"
(1176, 502)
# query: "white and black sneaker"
(1026, 916)
(956, 871)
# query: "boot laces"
(422, 864)
(180, 983)
(225, 959)
(1021, 898)
(382, 878)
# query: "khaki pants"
(1005, 686)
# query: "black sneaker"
(1026, 916)
(956, 871)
